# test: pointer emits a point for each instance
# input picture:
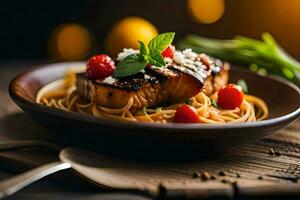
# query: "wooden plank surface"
(250, 165)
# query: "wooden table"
(14, 124)
(273, 159)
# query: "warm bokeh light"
(127, 32)
(206, 11)
(70, 42)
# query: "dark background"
(26, 25)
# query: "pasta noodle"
(62, 94)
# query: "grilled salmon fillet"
(170, 84)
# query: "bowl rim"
(20, 100)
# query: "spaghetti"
(62, 94)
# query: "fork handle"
(19, 144)
(18, 182)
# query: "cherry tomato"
(230, 97)
(186, 114)
(100, 66)
(168, 52)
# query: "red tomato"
(230, 97)
(168, 52)
(186, 114)
(100, 66)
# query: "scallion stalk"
(266, 53)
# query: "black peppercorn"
(277, 153)
(213, 177)
(222, 173)
(196, 175)
(205, 176)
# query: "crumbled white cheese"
(186, 56)
(191, 66)
(126, 52)
(199, 64)
(168, 60)
(179, 58)
(147, 77)
(189, 59)
(188, 53)
(109, 80)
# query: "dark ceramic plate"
(149, 139)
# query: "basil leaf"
(130, 65)
(134, 63)
(156, 59)
(144, 50)
(161, 42)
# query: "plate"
(151, 140)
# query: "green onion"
(243, 85)
(262, 56)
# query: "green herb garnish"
(213, 103)
(134, 63)
(188, 102)
(130, 65)
(158, 109)
(243, 85)
(263, 56)
(144, 111)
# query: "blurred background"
(72, 30)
